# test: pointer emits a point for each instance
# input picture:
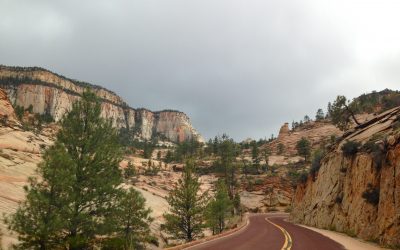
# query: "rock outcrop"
(317, 132)
(50, 93)
(7, 113)
(357, 194)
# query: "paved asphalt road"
(270, 231)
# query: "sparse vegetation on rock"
(371, 194)
(350, 148)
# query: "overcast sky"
(239, 67)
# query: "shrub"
(350, 148)
(339, 199)
(303, 147)
(30, 109)
(371, 195)
(281, 149)
(377, 153)
(4, 120)
(19, 111)
(316, 162)
(303, 177)
(258, 182)
(151, 170)
(45, 118)
(250, 186)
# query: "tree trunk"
(352, 115)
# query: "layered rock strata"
(357, 194)
(50, 93)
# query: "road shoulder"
(245, 222)
(347, 241)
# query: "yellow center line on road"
(287, 245)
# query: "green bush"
(376, 151)
(303, 177)
(30, 109)
(250, 186)
(281, 149)
(258, 182)
(316, 162)
(350, 148)
(19, 111)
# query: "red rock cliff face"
(334, 198)
(50, 93)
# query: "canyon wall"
(358, 194)
(50, 93)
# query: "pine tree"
(218, 210)
(129, 171)
(281, 148)
(185, 218)
(320, 115)
(303, 147)
(38, 220)
(254, 156)
(69, 206)
(266, 154)
(132, 221)
(168, 157)
(227, 152)
(341, 113)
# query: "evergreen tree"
(148, 150)
(132, 221)
(185, 218)
(266, 154)
(303, 147)
(227, 151)
(168, 157)
(38, 220)
(159, 155)
(237, 204)
(129, 171)
(70, 205)
(244, 165)
(320, 115)
(341, 113)
(215, 145)
(254, 156)
(281, 148)
(218, 210)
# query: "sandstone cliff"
(50, 93)
(7, 114)
(357, 194)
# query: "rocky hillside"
(317, 132)
(53, 94)
(357, 188)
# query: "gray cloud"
(240, 67)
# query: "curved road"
(270, 231)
